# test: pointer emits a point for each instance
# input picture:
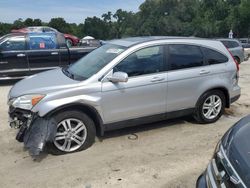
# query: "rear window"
(230, 44)
(183, 56)
(214, 57)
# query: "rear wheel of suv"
(75, 132)
(210, 107)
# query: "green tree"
(60, 24)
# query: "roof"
(128, 42)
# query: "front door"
(13, 57)
(144, 94)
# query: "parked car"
(235, 47)
(23, 54)
(125, 83)
(71, 40)
(246, 50)
(230, 165)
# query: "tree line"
(200, 18)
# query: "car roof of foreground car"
(131, 41)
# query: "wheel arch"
(222, 89)
(87, 109)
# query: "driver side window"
(14, 43)
(145, 61)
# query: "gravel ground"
(166, 154)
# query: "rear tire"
(210, 107)
(69, 42)
(75, 132)
(237, 59)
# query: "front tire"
(210, 107)
(75, 132)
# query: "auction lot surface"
(166, 154)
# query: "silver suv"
(125, 83)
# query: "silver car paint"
(175, 90)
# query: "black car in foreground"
(230, 165)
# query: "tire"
(80, 136)
(69, 42)
(237, 59)
(210, 107)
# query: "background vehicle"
(125, 83)
(246, 50)
(89, 41)
(71, 40)
(235, 47)
(23, 54)
(230, 165)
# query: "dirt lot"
(167, 154)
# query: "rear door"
(186, 76)
(43, 52)
(13, 57)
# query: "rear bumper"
(235, 94)
(235, 98)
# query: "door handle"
(157, 79)
(54, 53)
(20, 55)
(204, 72)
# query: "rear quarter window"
(214, 57)
(183, 56)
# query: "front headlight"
(26, 102)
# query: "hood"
(236, 143)
(42, 83)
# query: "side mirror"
(118, 77)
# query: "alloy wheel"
(71, 135)
(212, 107)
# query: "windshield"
(237, 147)
(93, 62)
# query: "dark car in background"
(71, 40)
(246, 45)
(235, 47)
(230, 165)
(23, 54)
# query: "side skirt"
(147, 119)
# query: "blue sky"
(73, 11)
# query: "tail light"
(236, 63)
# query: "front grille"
(222, 175)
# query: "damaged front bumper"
(34, 131)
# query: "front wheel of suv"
(210, 107)
(75, 132)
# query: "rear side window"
(183, 56)
(214, 57)
(13, 43)
(42, 41)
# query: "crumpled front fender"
(40, 132)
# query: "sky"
(73, 11)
